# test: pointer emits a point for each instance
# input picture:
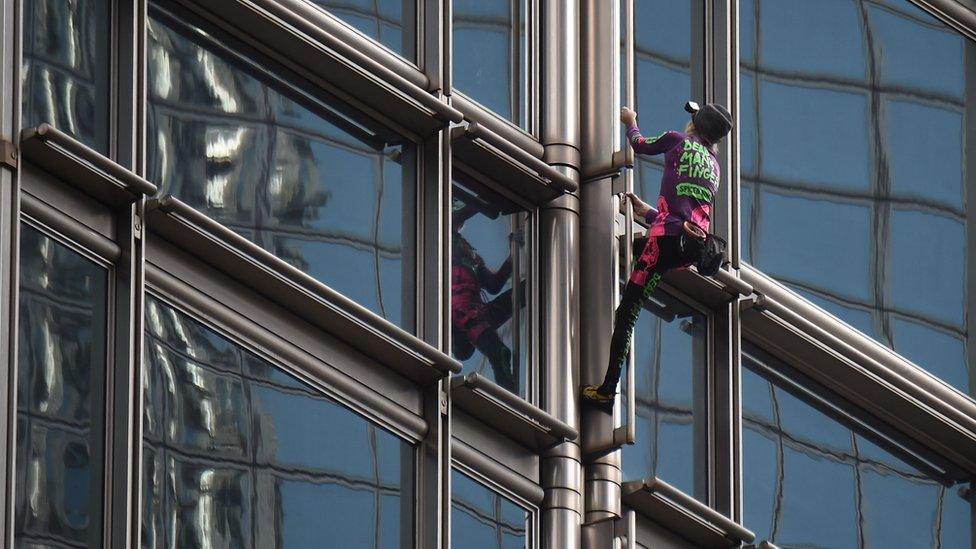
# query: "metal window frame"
(372, 46)
(103, 484)
(476, 112)
(408, 429)
(532, 272)
(471, 464)
(93, 206)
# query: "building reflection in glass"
(64, 76)
(856, 133)
(670, 347)
(390, 22)
(239, 453)
(329, 193)
(490, 55)
(60, 395)
(811, 480)
(668, 63)
(484, 519)
(489, 252)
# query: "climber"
(678, 234)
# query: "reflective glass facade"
(65, 73)
(811, 480)
(239, 453)
(855, 171)
(166, 384)
(61, 395)
(390, 22)
(490, 266)
(491, 55)
(483, 519)
(301, 176)
(668, 66)
(670, 348)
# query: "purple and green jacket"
(689, 182)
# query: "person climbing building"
(475, 319)
(679, 227)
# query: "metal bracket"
(8, 154)
(753, 301)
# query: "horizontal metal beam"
(298, 35)
(222, 248)
(70, 227)
(888, 364)
(683, 514)
(558, 180)
(85, 168)
(498, 473)
(475, 112)
(508, 413)
(356, 395)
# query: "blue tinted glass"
(820, 37)
(483, 519)
(391, 22)
(853, 127)
(667, 68)
(490, 55)
(813, 243)
(65, 67)
(317, 186)
(238, 453)
(670, 364)
(60, 395)
(811, 481)
(919, 52)
(490, 262)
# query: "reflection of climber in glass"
(679, 226)
(475, 319)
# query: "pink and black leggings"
(660, 255)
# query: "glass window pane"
(390, 22)
(670, 363)
(668, 70)
(854, 127)
(60, 395)
(238, 453)
(490, 266)
(490, 55)
(65, 75)
(810, 480)
(310, 181)
(484, 519)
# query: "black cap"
(712, 121)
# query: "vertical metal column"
(722, 74)
(9, 216)
(434, 255)
(559, 295)
(600, 91)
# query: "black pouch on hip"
(707, 255)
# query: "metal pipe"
(69, 226)
(555, 177)
(940, 396)
(476, 113)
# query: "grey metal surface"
(74, 162)
(560, 259)
(497, 472)
(242, 258)
(509, 414)
(73, 229)
(299, 40)
(673, 509)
